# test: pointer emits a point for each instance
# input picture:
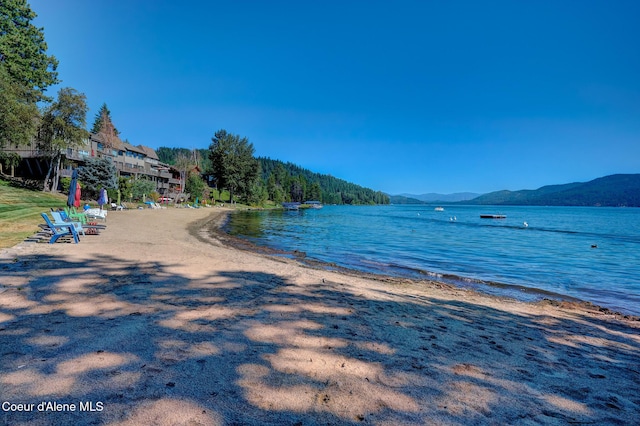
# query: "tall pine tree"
(103, 126)
(25, 72)
(23, 50)
(103, 116)
(233, 164)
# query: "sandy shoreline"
(162, 323)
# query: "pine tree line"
(289, 182)
(280, 181)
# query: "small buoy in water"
(594, 246)
(525, 224)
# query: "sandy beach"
(158, 321)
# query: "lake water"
(551, 257)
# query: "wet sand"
(158, 321)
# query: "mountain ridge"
(436, 197)
(618, 190)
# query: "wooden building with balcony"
(130, 161)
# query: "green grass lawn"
(20, 212)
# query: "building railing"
(78, 155)
(156, 171)
(25, 152)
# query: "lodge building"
(130, 161)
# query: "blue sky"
(403, 96)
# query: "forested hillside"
(173, 155)
(401, 199)
(286, 181)
(614, 191)
(298, 184)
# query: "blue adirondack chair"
(59, 218)
(60, 230)
(66, 218)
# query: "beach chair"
(61, 230)
(66, 218)
(96, 214)
(73, 214)
(61, 219)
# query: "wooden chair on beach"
(94, 214)
(61, 219)
(58, 231)
(73, 214)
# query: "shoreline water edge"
(502, 290)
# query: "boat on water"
(439, 209)
(493, 216)
(291, 206)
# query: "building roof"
(150, 152)
(132, 148)
(117, 144)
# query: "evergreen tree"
(199, 157)
(257, 194)
(25, 72)
(124, 185)
(300, 185)
(107, 131)
(18, 114)
(23, 50)
(104, 116)
(195, 186)
(234, 167)
(315, 192)
(296, 190)
(98, 173)
(166, 155)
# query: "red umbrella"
(76, 202)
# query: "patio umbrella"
(72, 188)
(102, 199)
(78, 196)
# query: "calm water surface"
(553, 255)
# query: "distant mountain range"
(621, 190)
(432, 198)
